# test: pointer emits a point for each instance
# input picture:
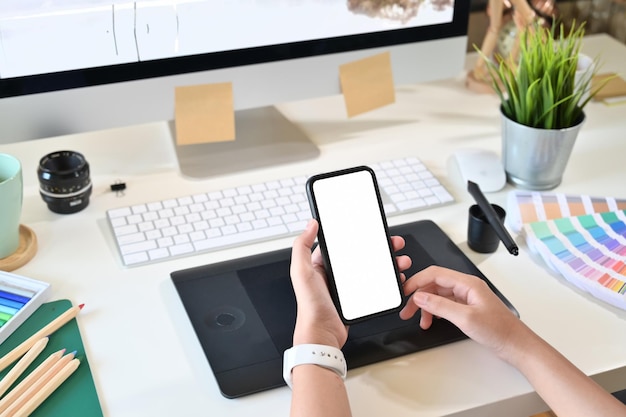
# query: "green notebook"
(77, 396)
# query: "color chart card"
(530, 206)
(588, 250)
(19, 298)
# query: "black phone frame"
(324, 250)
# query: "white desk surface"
(145, 357)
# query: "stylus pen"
(492, 217)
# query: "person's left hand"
(317, 319)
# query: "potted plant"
(542, 102)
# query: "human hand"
(464, 300)
(468, 302)
(317, 318)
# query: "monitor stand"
(264, 137)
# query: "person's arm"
(468, 302)
(318, 391)
(566, 389)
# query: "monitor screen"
(78, 65)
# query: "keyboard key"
(138, 247)
(121, 212)
(136, 258)
(125, 230)
(158, 253)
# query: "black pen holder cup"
(481, 237)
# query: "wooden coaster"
(24, 253)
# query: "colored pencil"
(7, 302)
(30, 379)
(14, 297)
(22, 364)
(8, 310)
(36, 386)
(18, 291)
(47, 330)
(50, 386)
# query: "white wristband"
(326, 356)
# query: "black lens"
(64, 181)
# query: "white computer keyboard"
(183, 226)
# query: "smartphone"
(355, 244)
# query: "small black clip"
(118, 187)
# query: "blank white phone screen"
(358, 250)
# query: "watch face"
(506, 38)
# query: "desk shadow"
(611, 159)
(107, 234)
(422, 380)
(476, 257)
(337, 131)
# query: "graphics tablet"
(243, 313)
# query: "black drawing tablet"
(243, 312)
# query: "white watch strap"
(322, 355)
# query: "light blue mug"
(11, 195)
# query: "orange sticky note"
(204, 113)
(367, 84)
(616, 87)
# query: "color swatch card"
(19, 298)
(588, 250)
(531, 206)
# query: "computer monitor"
(92, 65)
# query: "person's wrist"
(518, 344)
(316, 340)
(312, 357)
(302, 336)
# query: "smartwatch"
(325, 356)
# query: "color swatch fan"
(589, 249)
(525, 207)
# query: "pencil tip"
(81, 306)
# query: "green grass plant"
(538, 88)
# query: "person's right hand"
(464, 300)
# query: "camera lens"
(64, 181)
